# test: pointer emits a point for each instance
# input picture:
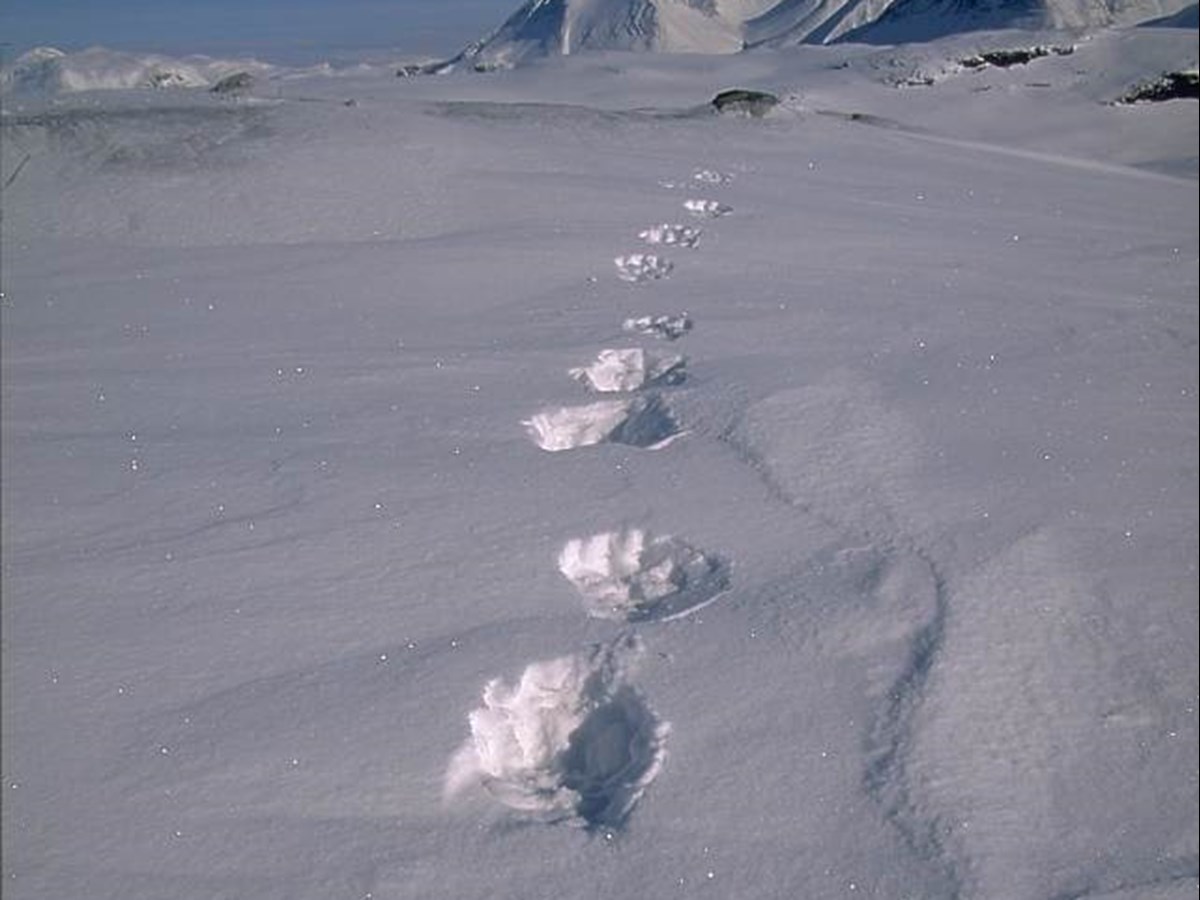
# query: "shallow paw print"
(643, 421)
(631, 576)
(667, 328)
(707, 209)
(618, 371)
(637, 268)
(673, 235)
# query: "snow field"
(954, 472)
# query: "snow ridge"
(887, 772)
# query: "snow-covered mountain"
(552, 27)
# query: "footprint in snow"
(572, 741)
(679, 235)
(707, 209)
(620, 371)
(642, 421)
(633, 577)
(640, 267)
(668, 328)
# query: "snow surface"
(629, 369)
(283, 614)
(542, 28)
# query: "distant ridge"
(542, 28)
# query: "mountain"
(553, 27)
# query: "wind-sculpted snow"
(1013, 729)
(572, 741)
(637, 268)
(837, 448)
(643, 421)
(618, 371)
(632, 576)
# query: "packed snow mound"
(553, 27)
(619, 371)
(47, 70)
(644, 421)
(631, 576)
(571, 741)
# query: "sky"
(275, 30)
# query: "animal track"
(639, 267)
(643, 421)
(680, 235)
(573, 740)
(707, 209)
(668, 328)
(629, 370)
(630, 576)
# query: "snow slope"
(903, 606)
(549, 27)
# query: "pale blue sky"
(277, 30)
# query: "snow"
(49, 70)
(573, 741)
(541, 28)
(630, 575)
(622, 370)
(295, 605)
